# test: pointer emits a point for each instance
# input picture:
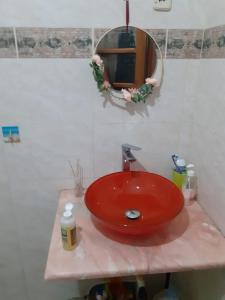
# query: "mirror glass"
(129, 55)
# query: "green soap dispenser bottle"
(180, 172)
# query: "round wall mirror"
(130, 56)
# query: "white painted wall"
(70, 13)
(213, 12)
(201, 285)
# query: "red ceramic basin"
(113, 198)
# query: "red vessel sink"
(133, 203)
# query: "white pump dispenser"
(189, 187)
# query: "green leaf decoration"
(145, 89)
(135, 98)
(138, 96)
(98, 76)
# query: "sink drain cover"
(132, 214)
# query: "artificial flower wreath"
(130, 95)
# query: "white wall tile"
(63, 117)
(12, 279)
(208, 133)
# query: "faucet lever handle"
(128, 147)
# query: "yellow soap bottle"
(179, 174)
(68, 230)
(179, 178)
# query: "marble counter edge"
(50, 274)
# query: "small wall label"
(11, 134)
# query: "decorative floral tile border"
(159, 35)
(181, 43)
(214, 43)
(7, 43)
(184, 43)
(54, 43)
(98, 34)
(79, 42)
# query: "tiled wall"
(174, 43)
(208, 153)
(208, 129)
(184, 43)
(214, 42)
(79, 42)
(62, 116)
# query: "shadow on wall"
(134, 108)
(199, 285)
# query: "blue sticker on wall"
(11, 134)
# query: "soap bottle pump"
(189, 187)
(69, 206)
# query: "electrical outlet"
(163, 5)
(11, 134)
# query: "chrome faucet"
(127, 156)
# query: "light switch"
(163, 5)
(11, 134)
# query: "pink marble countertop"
(190, 242)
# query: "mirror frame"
(158, 72)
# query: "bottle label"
(178, 178)
(68, 238)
